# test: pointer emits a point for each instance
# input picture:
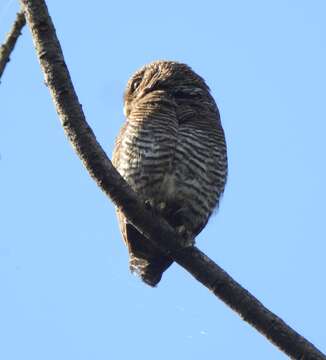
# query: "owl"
(171, 150)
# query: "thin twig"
(154, 228)
(8, 46)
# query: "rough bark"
(161, 234)
(8, 46)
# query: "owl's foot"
(186, 235)
(161, 206)
(149, 204)
(157, 207)
(181, 230)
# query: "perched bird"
(171, 150)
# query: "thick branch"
(8, 46)
(161, 234)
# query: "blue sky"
(66, 291)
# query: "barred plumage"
(172, 152)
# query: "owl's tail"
(144, 259)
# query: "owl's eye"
(135, 84)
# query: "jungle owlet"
(172, 152)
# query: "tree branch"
(8, 46)
(157, 229)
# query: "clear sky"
(65, 288)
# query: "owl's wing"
(143, 154)
(145, 148)
(200, 161)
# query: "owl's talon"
(148, 204)
(181, 230)
(190, 241)
(187, 239)
(157, 207)
(161, 206)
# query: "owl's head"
(170, 78)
